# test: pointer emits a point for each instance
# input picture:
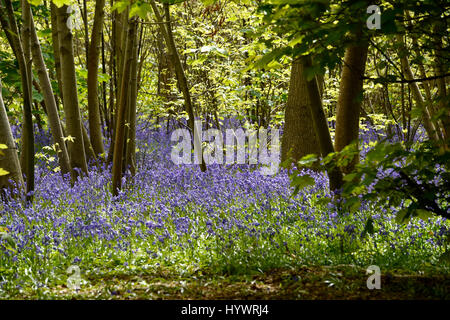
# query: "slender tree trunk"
(123, 104)
(88, 149)
(9, 159)
(26, 46)
(441, 68)
(131, 118)
(55, 45)
(350, 97)
(50, 102)
(299, 137)
(321, 125)
(166, 29)
(104, 105)
(429, 126)
(24, 67)
(120, 25)
(70, 94)
(95, 127)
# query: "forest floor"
(175, 232)
(345, 282)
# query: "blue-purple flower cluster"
(229, 216)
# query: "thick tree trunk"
(123, 104)
(9, 160)
(70, 94)
(350, 97)
(321, 125)
(95, 127)
(50, 102)
(299, 137)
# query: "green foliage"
(411, 177)
(301, 181)
(415, 178)
(325, 28)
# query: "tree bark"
(123, 104)
(299, 137)
(88, 149)
(28, 130)
(321, 125)
(50, 102)
(429, 126)
(441, 68)
(70, 94)
(349, 100)
(9, 161)
(55, 45)
(119, 30)
(131, 117)
(24, 66)
(95, 127)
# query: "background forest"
(93, 207)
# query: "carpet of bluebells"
(228, 220)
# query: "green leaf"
(307, 160)
(369, 229)
(140, 9)
(300, 182)
(403, 216)
(3, 172)
(376, 154)
(120, 6)
(60, 3)
(423, 214)
(352, 204)
(350, 177)
(269, 57)
(35, 2)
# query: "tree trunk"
(429, 126)
(119, 30)
(10, 27)
(321, 125)
(166, 29)
(299, 137)
(441, 68)
(55, 45)
(131, 117)
(349, 101)
(9, 161)
(95, 127)
(50, 102)
(70, 94)
(123, 104)
(88, 150)
(27, 154)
